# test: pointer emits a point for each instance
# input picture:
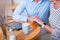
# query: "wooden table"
(1, 34)
(34, 33)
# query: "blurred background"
(6, 10)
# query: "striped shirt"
(54, 21)
(32, 8)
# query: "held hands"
(30, 19)
(35, 19)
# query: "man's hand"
(30, 19)
(37, 19)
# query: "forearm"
(19, 21)
(17, 15)
(47, 27)
(55, 34)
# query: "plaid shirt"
(54, 21)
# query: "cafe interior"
(7, 8)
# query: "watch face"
(44, 23)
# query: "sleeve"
(18, 11)
(44, 13)
(56, 32)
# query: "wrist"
(40, 22)
(43, 25)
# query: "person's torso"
(34, 9)
(54, 16)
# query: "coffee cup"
(26, 28)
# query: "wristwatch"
(43, 25)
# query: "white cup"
(26, 28)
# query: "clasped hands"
(35, 19)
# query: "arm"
(39, 21)
(18, 11)
(55, 33)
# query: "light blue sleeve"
(44, 13)
(18, 11)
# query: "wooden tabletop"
(1, 34)
(34, 33)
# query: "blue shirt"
(32, 8)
